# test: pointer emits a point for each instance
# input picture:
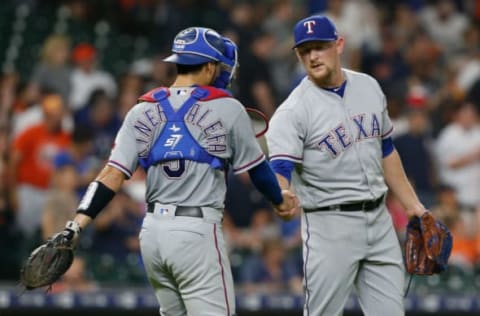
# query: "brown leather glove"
(428, 245)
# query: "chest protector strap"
(175, 141)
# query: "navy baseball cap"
(196, 45)
(314, 28)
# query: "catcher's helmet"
(199, 45)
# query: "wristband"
(98, 195)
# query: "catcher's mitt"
(47, 263)
(428, 245)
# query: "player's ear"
(212, 70)
(298, 55)
(340, 45)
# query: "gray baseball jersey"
(222, 126)
(189, 271)
(337, 140)
(336, 144)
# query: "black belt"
(367, 205)
(181, 210)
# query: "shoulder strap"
(155, 95)
(201, 93)
(163, 92)
(214, 93)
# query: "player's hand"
(288, 208)
(416, 210)
(70, 235)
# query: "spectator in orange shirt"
(31, 163)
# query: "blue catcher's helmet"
(199, 45)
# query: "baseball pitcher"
(331, 140)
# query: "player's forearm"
(82, 220)
(99, 193)
(263, 178)
(398, 183)
(283, 182)
(111, 177)
(283, 171)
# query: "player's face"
(321, 61)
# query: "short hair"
(188, 69)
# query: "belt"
(367, 205)
(181, 210)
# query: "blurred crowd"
(59, 118)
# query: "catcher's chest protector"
(175, 141)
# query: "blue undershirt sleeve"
(264, 179)
(283, 168)
(387, 146)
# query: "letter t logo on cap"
(309, 24)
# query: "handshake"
(289, 206)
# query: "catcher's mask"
(199, 45)
(228, 66)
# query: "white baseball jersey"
(338, 141)
(221, 126)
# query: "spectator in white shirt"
(458, 154)
(86, 78)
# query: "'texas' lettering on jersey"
(338, 139)
(146, 124)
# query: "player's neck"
(185, 81)
(334, 81)
(201, 78)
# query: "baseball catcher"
(47, 263)
(428, 245)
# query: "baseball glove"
(47, 263)
(428, 245)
